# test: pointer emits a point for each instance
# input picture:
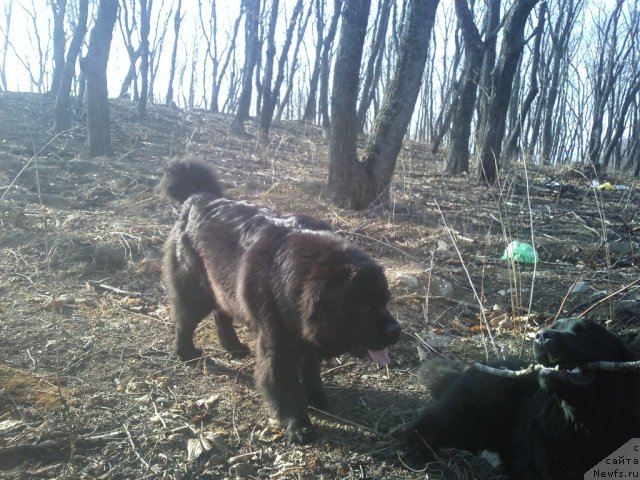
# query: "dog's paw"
(190, 356)
(299, 433)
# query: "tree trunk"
(145, 20)
(177, 20)
(345, 172)
(390, 125)
(490, 144)
(294, 65)
(58, 8)
(217, 82)
(62, 110)
(458, 155)
(252, 46)
(511, 146)
(372, 74)
(560, 36)
(270, 100)
(309, 114)
(133, 54)
(325, 67)
(359, 184)
(491, 24)
(94, 66)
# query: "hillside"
(88, 385)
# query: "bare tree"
(490, 143)
(294, 64)
(35, 67)
(327, 45)
(94, 66)
(270, 94)
(613, 51)
(355, 183)
(511, 144)
(58, 9)
(210, 31)
(128, 23)
(252, 47)
(145, 19)
(177, 20)
(157, 43)
(458, 155)
(62, 111)
(560, 36)
(309, 114)
(345, 171)
(268, 66)
(491, 23)
(5, 29)
(374, 63)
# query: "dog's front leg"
(311, 380)
(278, 381)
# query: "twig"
(475, 293)
(119, 291)
(349, 422)
(133, 446)
(626, 287)
(386, 244)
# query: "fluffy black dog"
(307, 293)
(553, 425)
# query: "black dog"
(553, 425)
(307, 293)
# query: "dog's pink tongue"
(380, 356)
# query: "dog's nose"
(393, 331)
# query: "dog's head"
(570, 344)
(348, 311)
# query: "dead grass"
(127, 409)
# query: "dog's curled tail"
(184, 177)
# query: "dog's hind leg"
(188, 307)
(227, 335)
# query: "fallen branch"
(119, 291)
(16, 454)
(535, 368)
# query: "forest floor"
(88, 385)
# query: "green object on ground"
(520, 252)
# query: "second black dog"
(553, 426)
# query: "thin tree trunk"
(309, 114)
(145, 20)
(458, 155)
(267, 97)
(177, 20)
(59, 8)
(252, 46)
(94, 66)
(375, 59)
(323, 102)
(62, 110)
(490, 144)
(511, 145)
